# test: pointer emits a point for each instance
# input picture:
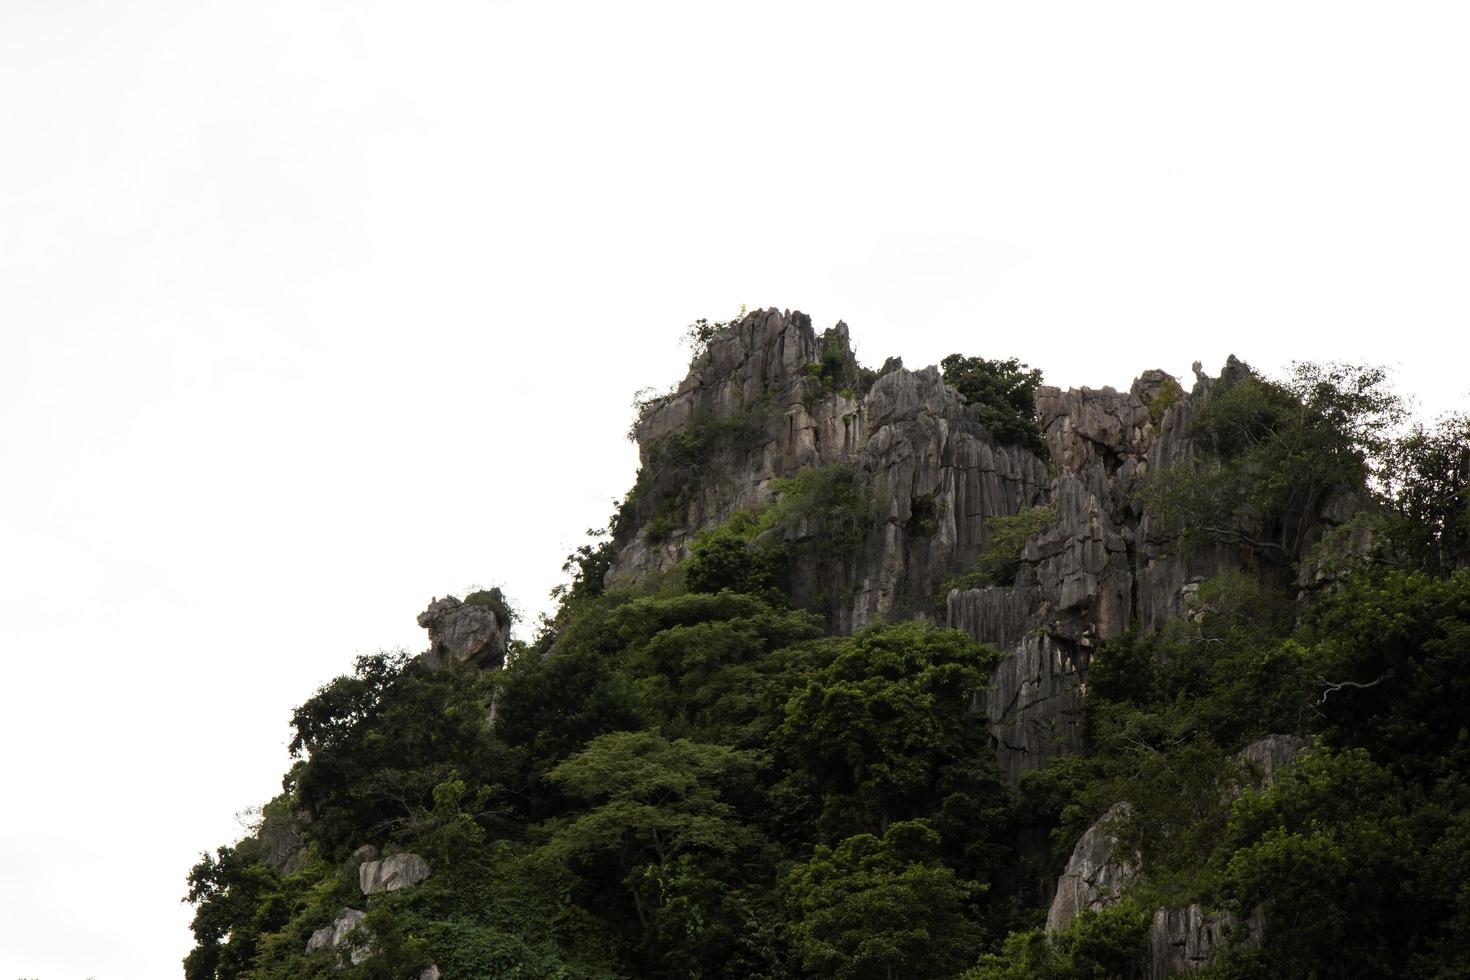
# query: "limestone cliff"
(934, 472)
(768, 397)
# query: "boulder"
(463, 633)
(335, 936)
(392, 873)
(1095, 876)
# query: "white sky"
(310, 311)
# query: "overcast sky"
(311, 311)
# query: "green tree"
(236, 898)
(1426, 483)
(657, 833)
(550, 703)
(1328, 849)
(378, 742)
(885, 731)
(707, 666)
(881, 908)
(1000, 560)
(1390, 670)
(1097, 944)
(1004, 392)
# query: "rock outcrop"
(1096, 874)
(1268, 756)
(335, 936)
(1179, 939)
(461, 632)
(282, 836)
(392, 873)
(780, 399)
(1099, 569)
(1189, 938)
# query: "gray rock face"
(283, 841)
(392, 873)
(462, 633)
(1090, 575)
(335, 935)
(935, 474)
(1270, 755)
(1095, 876)
(1181, 940)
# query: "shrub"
(1164, 399)
(1005, 394)
(494, 599)
(1000, 559)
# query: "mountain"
(894, 673)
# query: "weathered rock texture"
(460, 633)
(392, 873)
(934, 473)
(282, 836)
(335, 936)
(1095, 876)
(1270, 755)
(1099, 569)
(937, 476)
(1190, 938)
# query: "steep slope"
(794, 400)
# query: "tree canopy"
(1004, 392)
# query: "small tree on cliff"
(1004, 391)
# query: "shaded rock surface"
(1273, 753)
(1189, 938)
(1099, 569)
(392, 873)
(1095, 876)
(463, 633)
(282, 836)
(1179, 939)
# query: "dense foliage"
(678, 786)
(1278, 452)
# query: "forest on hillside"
(692, 774)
